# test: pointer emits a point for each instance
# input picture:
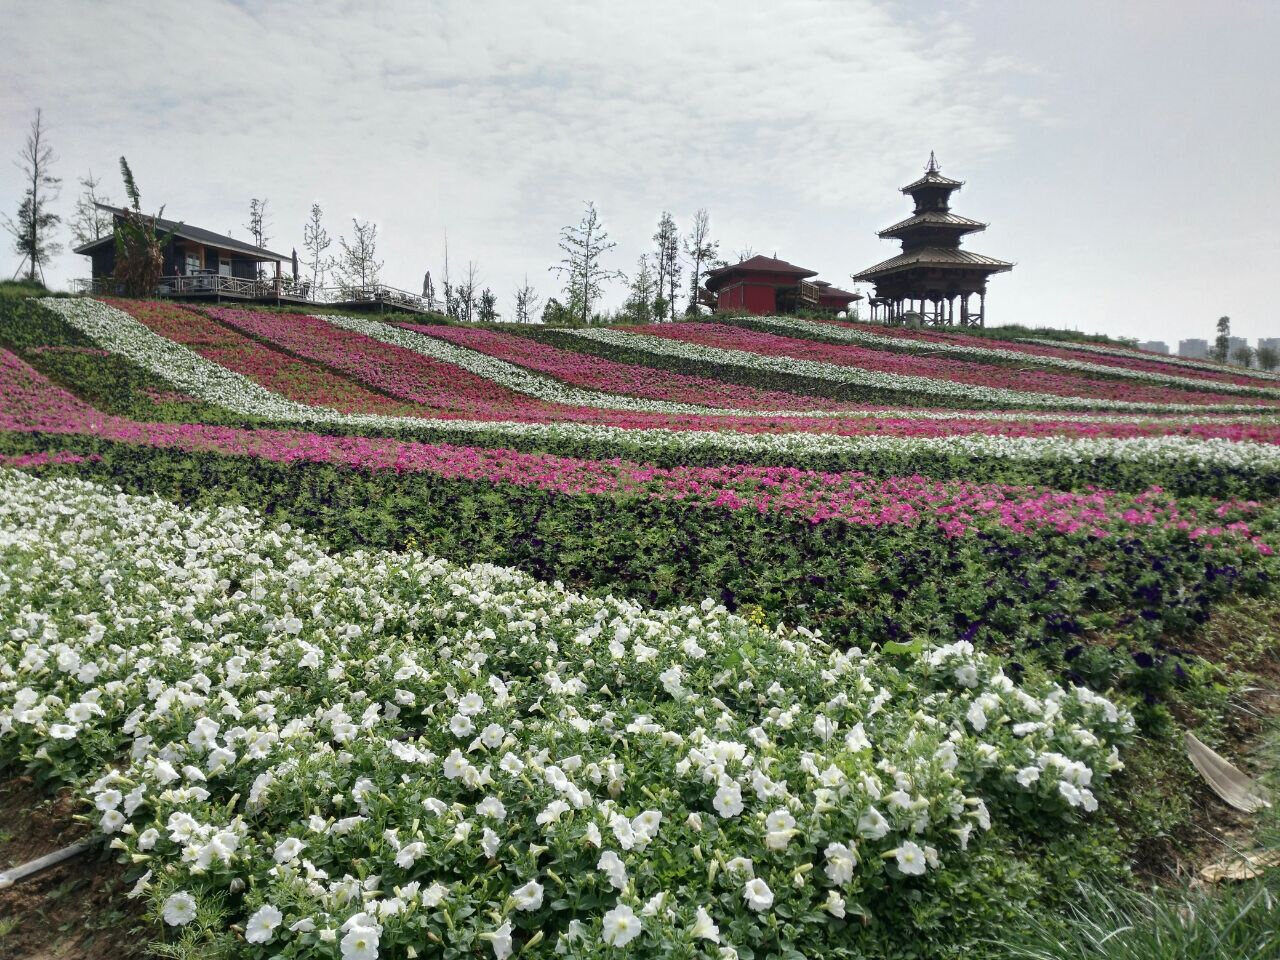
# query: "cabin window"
(224, 267)
(193, 261)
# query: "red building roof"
(757, 264)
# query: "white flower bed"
(350, 755)
(205, 380)
(829, 331)
(840, 373)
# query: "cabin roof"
(942, 257)
(188, 232)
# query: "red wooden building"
(765, 285)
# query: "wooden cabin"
(766, 285)
(192, 253)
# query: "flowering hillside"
(357, 638)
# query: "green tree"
(1268, 358)
(1243, 355)
(139, 248)
(358, 264)
(315, 240)
(638, 307)
(581, 269)
(666, 259)
(487, 307)
(32, 229)
(1222, 343)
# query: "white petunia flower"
(261, 926)
(757, 895)
(179, 909)
(528, 897)
(621, 926)
(704, 928)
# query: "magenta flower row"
(29, 402)
(938, 368)
(1129, 361)
(596, 373)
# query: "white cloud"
(496, 120)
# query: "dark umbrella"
(295, 264)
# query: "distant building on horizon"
(1154, 346)
(1272, 342)
(1233, 344)
(1194, 349)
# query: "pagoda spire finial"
(932, 166)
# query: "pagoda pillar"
(982, 308)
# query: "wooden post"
(982, 308)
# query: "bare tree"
(527, 302)
(701, 251)
(258, 225)
(358, 264)
(746, 253)
(584, 277)
(1243, 355)
(88, 223)
(315, 240)
(35, 223)
(466, 293)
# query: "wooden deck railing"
(243, 288)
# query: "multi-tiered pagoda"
(932, 273)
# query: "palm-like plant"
(139, 249)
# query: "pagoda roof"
(757, 264)
(934, 218)
(946, 258)
(932, 179)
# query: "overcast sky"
(1124, 152)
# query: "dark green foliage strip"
(1045, 596)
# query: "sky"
(1124, 152)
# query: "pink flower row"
(29, 402)
(314, 382)
(1122, 359)
(958, 371)
(633, 380)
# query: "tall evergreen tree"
(666, 259)
(1222, 343)
(584, 275)
(640, 296)
(487, 307)
(33, 228)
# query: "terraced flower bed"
(389, 640)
